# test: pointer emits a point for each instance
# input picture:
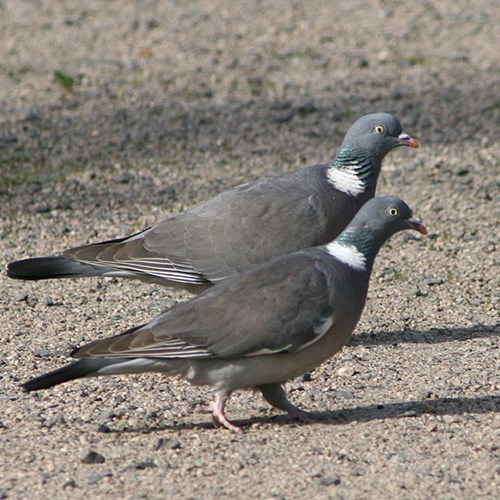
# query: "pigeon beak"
(406, 140)
(417, 225)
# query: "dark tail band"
(78, 369)
(42, 268)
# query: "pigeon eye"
(379, 129)
(393, 211)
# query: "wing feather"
(283, 306)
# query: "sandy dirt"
(160, 105)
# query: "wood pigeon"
(259, 328)
(243, 227)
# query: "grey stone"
(97, 478)
(91, 457)
(106, 415)
(20, 297)
(329, 481)
(358, 471)
(48, 301)
(55, 419)
(170, 444)
(42, 353)
(145, 464)
(71, 483)
(408, 413)
(343, 393)
(436, 281)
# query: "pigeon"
(259, 328)
(243, 227)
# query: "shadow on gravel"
(405, 409)
(91, 132)
(432, 336)
(440, 406)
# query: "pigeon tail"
(51, 267)
(78, 369)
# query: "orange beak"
(406, 140)
(417, 225)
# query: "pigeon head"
(376, 135)
(385, 216)
(356, 166)
(377, 220)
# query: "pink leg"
(218, 417)
(216, 408)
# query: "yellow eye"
(378, 129)
(393, 211)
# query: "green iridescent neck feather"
(363, 240)
(352, 171)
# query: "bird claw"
(224, 422)
(218, 418)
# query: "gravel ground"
(159, 105)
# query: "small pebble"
(145, 464)
(358, 471)
(306, 107)
(416, 292)
(91, 457)
(167, 444)
(409, 413)
(152, 23)
(55, 419)
(433, 282)
(42, 353)
(329, 481)
(344, 394)
(32, 301)
(282, 118)
(43, 209)
(427, 394)
(103, 428)
(6, 139)
(48, 301)
(280, 105)
(71, 483)
(20, 297)
(346, 371)
(106, 415)
(96, 478)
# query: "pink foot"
(222, 421)
(218, 417)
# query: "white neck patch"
(348, 254)
(346, 180)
